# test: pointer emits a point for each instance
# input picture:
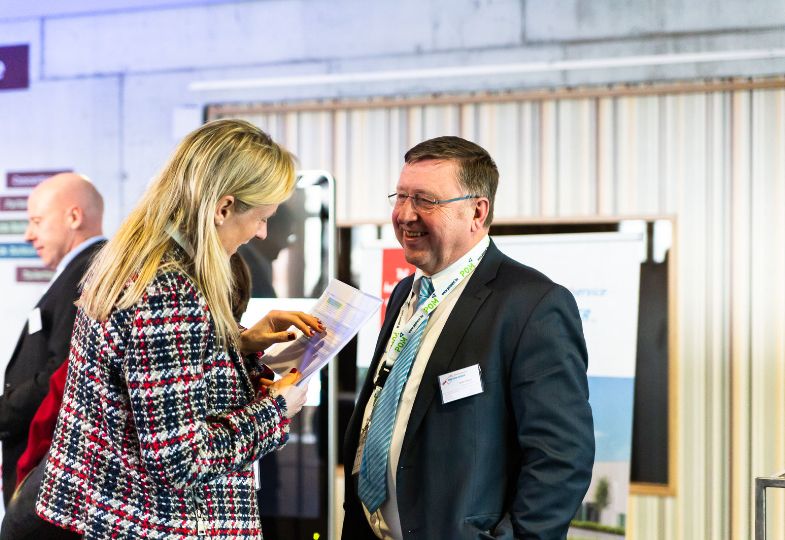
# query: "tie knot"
(426, 289)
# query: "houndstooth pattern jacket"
(159, 426)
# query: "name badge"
(461, 383)
(34, 321)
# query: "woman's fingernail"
(293, 370)
(290, 336)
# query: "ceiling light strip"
(494, 69)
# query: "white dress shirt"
(65, 261)
(385, 522)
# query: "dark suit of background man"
(65, 213)
(510, 454)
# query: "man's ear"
(74, 217)
(481, 208)
(223, 209)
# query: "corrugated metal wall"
(711, 155)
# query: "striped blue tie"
(373, 468)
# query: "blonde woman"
(161, 420)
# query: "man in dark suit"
(474, 419)
(65, 213)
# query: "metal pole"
(760, 509)
(332, 374)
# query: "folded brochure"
(343, 310)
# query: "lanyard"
(403, 333)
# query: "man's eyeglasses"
(423, 203)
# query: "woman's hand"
(272, 328)
(287, 389)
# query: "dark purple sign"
(30, 274)
(13, 204)
(29, 179)
(14, 67)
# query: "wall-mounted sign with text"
(13, 226)
(17, 250)
(33, 274)
(29, 179)
(14, 67)
(16, 203)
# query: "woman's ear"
(223, 209)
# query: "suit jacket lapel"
(78, 263)
(473, 296)
(55, 288)
(397, 300)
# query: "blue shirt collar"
(74, 252)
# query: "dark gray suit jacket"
(35, 358)
(514, 461)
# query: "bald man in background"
(65, 214)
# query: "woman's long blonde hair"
(224, 157)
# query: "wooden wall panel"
(713, 158)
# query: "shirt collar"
(74, 252)
(443, 277)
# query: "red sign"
(13, 204)
(394, 269)
(14, 67)
(29, 179)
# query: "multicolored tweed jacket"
(159, 426)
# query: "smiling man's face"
(434, 239)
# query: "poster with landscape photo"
(602, 270)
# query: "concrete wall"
(109, 92)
